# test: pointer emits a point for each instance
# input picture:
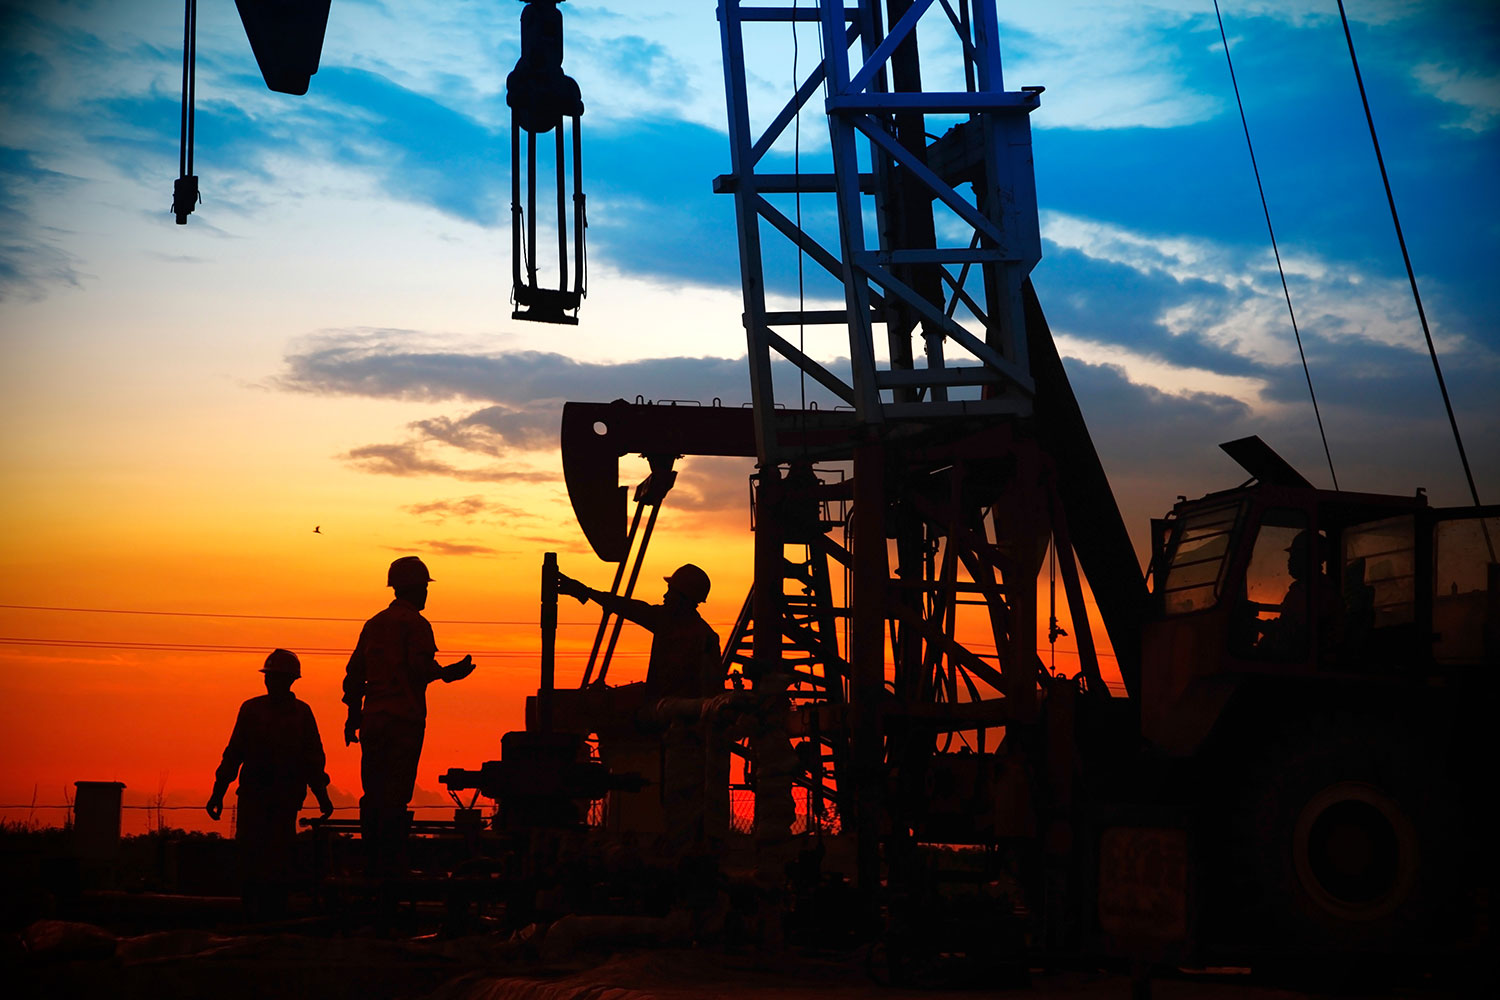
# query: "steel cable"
(1245, 124)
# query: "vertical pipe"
(769, 561)
(549, 642)
(580, 214)
(531, 208)
(562, 213)
(517, 217)
(867, 660)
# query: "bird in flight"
(317, 529)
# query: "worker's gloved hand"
(458, 671)
(351, 729)
(325, 804)
(571, 587)
(215, 805)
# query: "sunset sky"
(328, 340)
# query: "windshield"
(1196, 568)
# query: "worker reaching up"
(684, 677)
(385, 687)
(684, 648)
(277, 755)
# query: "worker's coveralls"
(385, 687)
(277, 754)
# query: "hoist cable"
(1406, 258)
(187, 73)
(192, 81)
(185, 189)
(1265, 208)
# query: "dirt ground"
(80, 960)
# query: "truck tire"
(1346, 841)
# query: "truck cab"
(1277, 579)
(1317, 668)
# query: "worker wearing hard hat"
(684, 674)
(385, 687)
(684, 648)
(277, 755)
(1311, 597)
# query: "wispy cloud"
(1475, 92)
(466, 509)
(447, 548)
(1230, 297)
(404, 364)
(411, 458)
(32, 258)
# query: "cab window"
(1284, 578)
(1461, 600)
(1196, 570)
(1379, 572)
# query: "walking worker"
(277, 755)
(385, 687)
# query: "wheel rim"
(1355, 851)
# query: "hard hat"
(1305, 541)
(689, 581)
(406, 572)
(282, 661)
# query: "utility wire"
(193, 647)
(280, 618)
(159, 646)
(1406, 258)
(172, 808)
(1245, 124)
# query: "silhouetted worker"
(684, 678)
(276, 753)
(1310, 593)
(385, 687)
(684, 648)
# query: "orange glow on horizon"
(149, 699)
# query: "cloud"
(410, 365)
(1230, 298)
(710, 484)
(409, 458)
(467, 509)
(31, 257)
(446, 548)
(1475, 92)
(493, 430)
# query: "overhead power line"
(35, 805)
(194, 647)
(225, 614)
(288, 618)
(1245, 124)
(1411, 275)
